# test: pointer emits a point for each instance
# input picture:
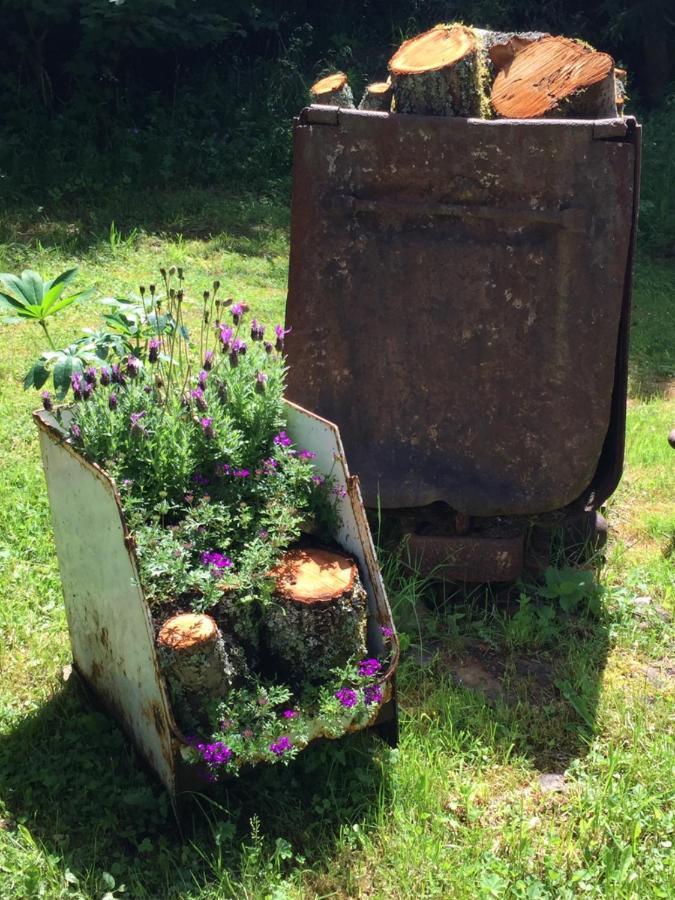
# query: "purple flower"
(247, 733)
(90, 376)
(87, 391)
(290, 714)
(369, 667)
(112, 402)
(241, 473)
(208, 360)
(203, 375)
(136, 423)
(260, 382)
(207, 428)
(75, 431)
(226, 334)
(118, 375)
(200, 479)
(238, 348)
(281, 746)
(238, 310)
(387, 631)
(216, 754)
(153, 349)
(263, 534)
(347, 697)
(76, 385)
(257, 331)
(372, 694)
(269, 465)
(281, 333)
(198, 396)
(340, 491)
(104, 376)
(215, 559)
(282, 439)
(268, 347)
(318, 479)
(306, 454)
(133, 366)
(47, 401)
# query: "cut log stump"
(317, 620)
(333, 90)
(441, 72)
(196, 660)
(377, 96)
(556, 77)
(501, 47)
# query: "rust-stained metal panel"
(458, 294)
(109, 619)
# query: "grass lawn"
(547, 769)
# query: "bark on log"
(620, 80)
(333, 90)
(501, 47)
(197, 662)
(318, 618)
(377, 96)
(556, 77)
(441, 72)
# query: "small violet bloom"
(200, 479)
(290, 714)
(281, 746)
(200, 401)
(207, 428)
(282, 439)
(133, 366)
(369, 667)
(117, 375)
(260, 382)
(215, 559)
(47, 401)
(226, 335)
(238, 310)
(347, 697)
(87, 391)
(318, 479)
(306, 454)
(112, 402)
(216, 754)
(90, 376)
(153, 349)
(387, 631)
(372, 694)
(208, 360)
(76, 385)
(136, 424)
(268, 347)
(281, 333)
(340, 492)
(203, 375)
(104, 376)
(75, 431)
(257, 331)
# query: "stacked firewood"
(455, 70)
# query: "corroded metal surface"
(474, 558)
(109, 621)
(459, 294)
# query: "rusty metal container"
(109, 620)
(459, 293)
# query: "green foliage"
(28, 297)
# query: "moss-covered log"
(333, 90)
(198, 663)
(441, 72)
(556, 77)
(317, 619)
(377, 96)
(501, 47)
(621, 81)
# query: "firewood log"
(558, 78)
(440, 73)
(333, 90)
(198, 663)
(377, 96)
(501, 47)
(317, 619)
(621, 79)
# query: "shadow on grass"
(252, 223)
(72, 779)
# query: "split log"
(333, 90)
(556, 77)
(377, 96)
(440, 73)
(197, 662)
(317, 620)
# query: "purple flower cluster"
(47, 401)
(282, 439)
(200, 401)
(208, 360)
(226, 335)
(257, 331)
(216, 754)
(133, 366)
(207, 428)
(281, 333)
(137, 427)
(281, 746)
(238, 310)
(290, 714)
(347, 697)
(260, 382)
(369, 667)
(215, 560)
(104, 376)
(387, 631)
(306, 454)
(238, 348)
(372, 694)
(153, 349)
(203, 375)
(200, 479)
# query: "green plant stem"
(47, 334)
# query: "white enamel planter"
(111, 631)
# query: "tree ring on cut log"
(333, 90)
(441, 72)
(199, 664)
(377, 96)
(317, 620)
(556, 76)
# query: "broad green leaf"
(36, 376)
(62, 372)
(11, 303)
